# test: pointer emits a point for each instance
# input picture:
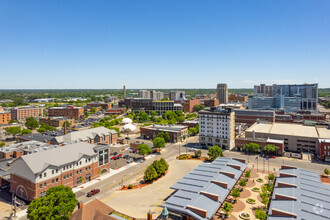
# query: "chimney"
(124, 88)
(80, 205)
(149, 215)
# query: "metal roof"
(308, 198)
(204, 188)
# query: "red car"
(271, 156)
(93, 192)
(120, 155)
(112, 158)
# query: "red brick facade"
(240, 142)
(324, 150)
(211, 102)
(104, 106)
(188, 105)
(69, 112)
(5, 117)
(25, 112)
(235, 98)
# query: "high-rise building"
(177, 95)
(217, 127)
(222, 93)
(156, 95)
(307, 92)
(263, 90)
(144, 94)
(277, 102)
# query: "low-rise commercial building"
(115, 111)
(33, 174)
(68, 111)
(22, 148)
(324, 150)
(297, 137)
(104, 106)
(238, 98)
(299, 194)
(240, 142)
(56, 121)
(210, 102)
(5, 117)
(200, 194)
(163, 106)
(21, 113)
(217, 127)
(252, 116)
(177, 132)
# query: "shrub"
(165, 164)
(261, 214)
(130, 186)
(271, 177)
(242, 182)
(248, 174)
(326, 171)
(183, 157)
(198, 154)
(236, 193)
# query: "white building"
(217, 127)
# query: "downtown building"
(5, 117)
(21, 113)
(279, 102)
(71, 165)
(217, 127)
(148, 105)
(222, 93)
(68, 111)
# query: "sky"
(105, 44)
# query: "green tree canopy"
(150, 173)
(159, 142)
(58, 203)
(31, 123)
(13, 130)
(159, 167)
(164, 135)
(262, 215)
(215, 152)
(227, 207)
(270, 148)
(235, 193)
(252, 147)
(165, 164)
(2, 144)
(271, 177)
(198, 108)
(326, 171)
(144, 149)
(26, 131)
(41, 130)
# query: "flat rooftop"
(293, 129)
(171, 128)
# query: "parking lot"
(124, 151)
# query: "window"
(86, 161)
(56, 170)
(86, 168)
(52, 171)
(64, 177)
(45, 184)
(70, 174)
(45, 174)
(40, 176)
(89, 168)
(52, 181)
(40, 186)
(89, 160)
(56, 179)
(80, 171)
(67, 176)
(80, 162)
(77, 171)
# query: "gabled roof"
(37, 162)
(84, 135)
(94, 210)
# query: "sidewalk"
(94, 181)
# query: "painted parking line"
(106, 199)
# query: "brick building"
(22, 148)
(33, 174)
(5, 117)
(56, 121)
(104, 106)
(211, 102)
(177, 132)
(324, 150)
(236, 98)
(21, 113)
(188, 105)
(241, 142)
(251, 116)
(114, 111)
(68, 111)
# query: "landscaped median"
(153, 172)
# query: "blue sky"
(163, 43)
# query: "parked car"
(113, 158)
(126, 156)
(130, 160)
(93, 192)
(192, 149)
(272, 156)
(114, 153)
(117, 157)
(120, 155)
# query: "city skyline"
(163, 44)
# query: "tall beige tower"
(124, 88)
(222, 93)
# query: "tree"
(271, 177)
(247, 174)
(18, 101)
(93, 110)
(160, 169)
(13, 130)
(326, 171)
(2, 144)
(41, 130)
(164, 135)
(215, 152)
(165, 164)
(144, 149)
(262, 215)
(270, 148)
(143, 116)
(26, 131)
(150, 173)
(31, 123)
(86, 114)
(198, 108)
(252, 148)
(242, 182)
(159, 142)
(198, 153)
(227, 207)
(67, 123)
(58, 203)
(235, 193)
(180, 119)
